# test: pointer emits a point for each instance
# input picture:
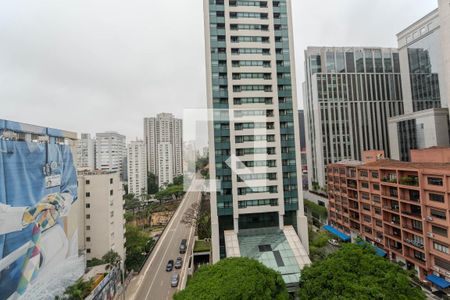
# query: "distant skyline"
(104, 65)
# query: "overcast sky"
(97, 65)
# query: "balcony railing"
(389, 179)
(409, 180)
(415, 243)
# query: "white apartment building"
(137, 168)
(350, 93)
(111, 153)
(85, 152)
(254, 147)
(101, 221)
(163, 137)
(424, 55)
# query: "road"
(153, 283)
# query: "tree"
(112, 258)
(152, 184)
(179, 180)
(79, 290)
(233, 279)
(170, 192)
(137, 245)
(355, 272)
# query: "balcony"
(415, 243)
(392, 208)
(410, 180)
(416, 215)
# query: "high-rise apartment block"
(111, 153)
(137, 168)
(401, 207)
(85, 152)
(254, 134)
(163, 136)
(101, 221)
(350, 93)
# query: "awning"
(337, 233)
(440, 282)
(378, 250)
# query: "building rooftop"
(390, 163)
(280, 250)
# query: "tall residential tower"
(137, 168)
(254, 134)
(111, 153)
(85, 152)
(163, 136)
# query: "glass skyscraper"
(254, 135)
(350, 93)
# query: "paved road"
(153, 283)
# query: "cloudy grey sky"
(96, 65)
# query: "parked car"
(169, 265)
(174, 280)
(178, 263)
(334, 242)
(183, 246)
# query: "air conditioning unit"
(378, 240)
(430, 234)
(429, 218)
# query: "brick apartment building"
(401, 207)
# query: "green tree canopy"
(152, 183)
(235, 279)
(137, 244)
(355, 272)
(78, 291)
(171, 190)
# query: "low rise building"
(401, 207)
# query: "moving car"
(174, 280)
(178, 263)
(183, 246)
(169, 265)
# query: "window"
(374, 174)
(437, 197)
(439, 230)
(376, 186)
(440, 248)
(111, 180)
(438, 214)
(111, 192)
(364, 184)
(88, 194)
(88, 182)
(442, 263)
(88, 205)
(435, 181)
(88, 250)
(88, 227)
(88, 217)
(88, 239)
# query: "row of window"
(254, 125)
(252, 151)
(250, 39)
(259, 189)
(255, 138)
(257, 163)
(262, 176)
(264, 202)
